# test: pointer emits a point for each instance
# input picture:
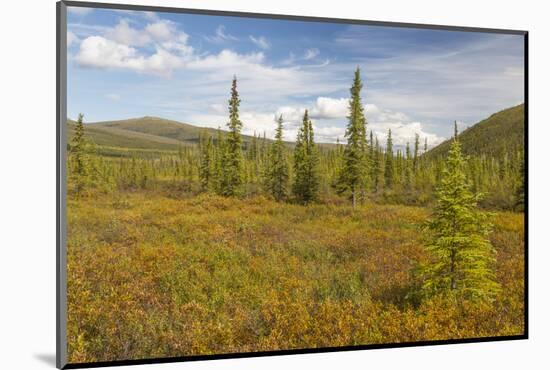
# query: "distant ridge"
(145, 133)
(502, 132)
(150, 133)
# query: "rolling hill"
(157, 127)
(115, 137)
(503, 132)
(150, 133)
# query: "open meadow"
(152, 275)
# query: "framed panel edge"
(61, 189)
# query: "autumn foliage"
(151, 275)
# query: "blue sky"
(124, 64)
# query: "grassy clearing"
(151, 276)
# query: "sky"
(127, 64)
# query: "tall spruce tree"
(462, 257)
(306, 162)
(388, 169)
(313, 182)
(353, 175)
(232, 170)
(408, 167)
(371, 151)
(416, 151)
(277, 169)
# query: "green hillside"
(151, 133)
(116, 137)
(157, 127)
(501, 133)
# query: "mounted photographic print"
(234, 184)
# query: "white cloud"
(221, 36)
(311, 53)
(162, 31)
(329, 117)
(258, 123)
(290, 60)
(71, 38)
(330, 108)
(227, 59)
(179, 45)
(403, 132)
(113, 97)
(117, 48)
(123, 33)
(260, 42)
(99, 52)
(323, 108)
(254, 122)
(402, 127)
(329, 121)
(218, 108)
(291, 115)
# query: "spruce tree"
(354, 170)
(306, 161)
(277, 168)
(388, 169)
(371, 151)
(205, 169)
(416, 150)
(219, 159)
(398, 167)
(312, 166)
(79, 170)
(233, 159)
(253, 149)
(408, 169)
(462, 257)
(376, 166)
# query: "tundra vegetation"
(259, 245)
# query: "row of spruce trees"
(359, 170)
(356, 170)
(221, 166)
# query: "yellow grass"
(151, 276)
